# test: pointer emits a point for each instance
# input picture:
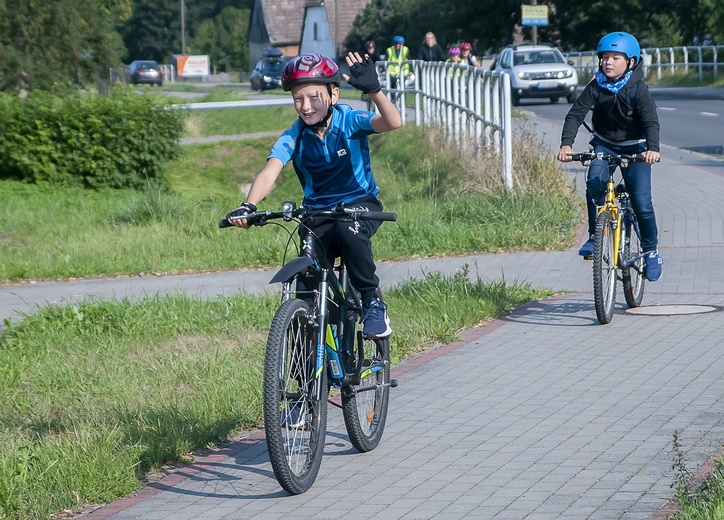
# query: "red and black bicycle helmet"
(310, 68)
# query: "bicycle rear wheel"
(365, 412)
(295, 421)
(604, 269)
(633, 280)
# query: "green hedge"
(90, 141)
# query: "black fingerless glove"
(363, 76)
(241, 212)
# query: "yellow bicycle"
(617, 243)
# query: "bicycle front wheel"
(365, 407)
(633, 279)
(604, 269)
(295, 420)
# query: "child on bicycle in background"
(624, 122)
(329, 150)
(454, 58)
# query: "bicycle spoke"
(295, 421)
(604, 269)
(365, 412)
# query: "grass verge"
(447, 204)
(94, 395)
(680, 79)
(697, 498)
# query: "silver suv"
(538, 71)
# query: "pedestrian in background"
(430, 50)
(466, 55)
(371, 51)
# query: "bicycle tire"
(365, 413)
(633, 280)
(604, 269)
(295, 422)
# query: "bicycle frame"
(332, 335)
(311, 347)
(617, 203)
(331, 289)
(612, 247)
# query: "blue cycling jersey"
(333, 169)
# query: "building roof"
(340, 15)
(283, 19)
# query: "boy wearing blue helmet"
(624, 122)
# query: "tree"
(51, 43)
(573, 24)
(485, 23)
(154, 29)
(223, 39)
(153, 32)
(582, 24)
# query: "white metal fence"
(470, 104)
(704, 59)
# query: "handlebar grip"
(223, 223)
(579, 156)
(378, 215)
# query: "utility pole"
(183, 28)
(336, 29)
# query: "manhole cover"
(668, 310)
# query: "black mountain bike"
(315, 343)
(617, 242)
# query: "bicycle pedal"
(588, 258)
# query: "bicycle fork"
(611, 206)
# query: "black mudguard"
(292, 268)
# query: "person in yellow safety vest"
(397, 57)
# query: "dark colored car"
(145, 71)
(268, 71)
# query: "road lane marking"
(709, 114)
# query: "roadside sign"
(192, 66)
(536, 15)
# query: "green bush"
(121, 141)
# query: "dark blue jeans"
(352, 241)
(637, 179)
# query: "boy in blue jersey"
(328, 148)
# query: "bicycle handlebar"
(259, 218)
(590, 156)
(582, 157)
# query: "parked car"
(538, 71)
(145, 71)
(268, 71)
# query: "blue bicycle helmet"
(398, 39)
(621, 42)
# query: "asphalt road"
(691, 118)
